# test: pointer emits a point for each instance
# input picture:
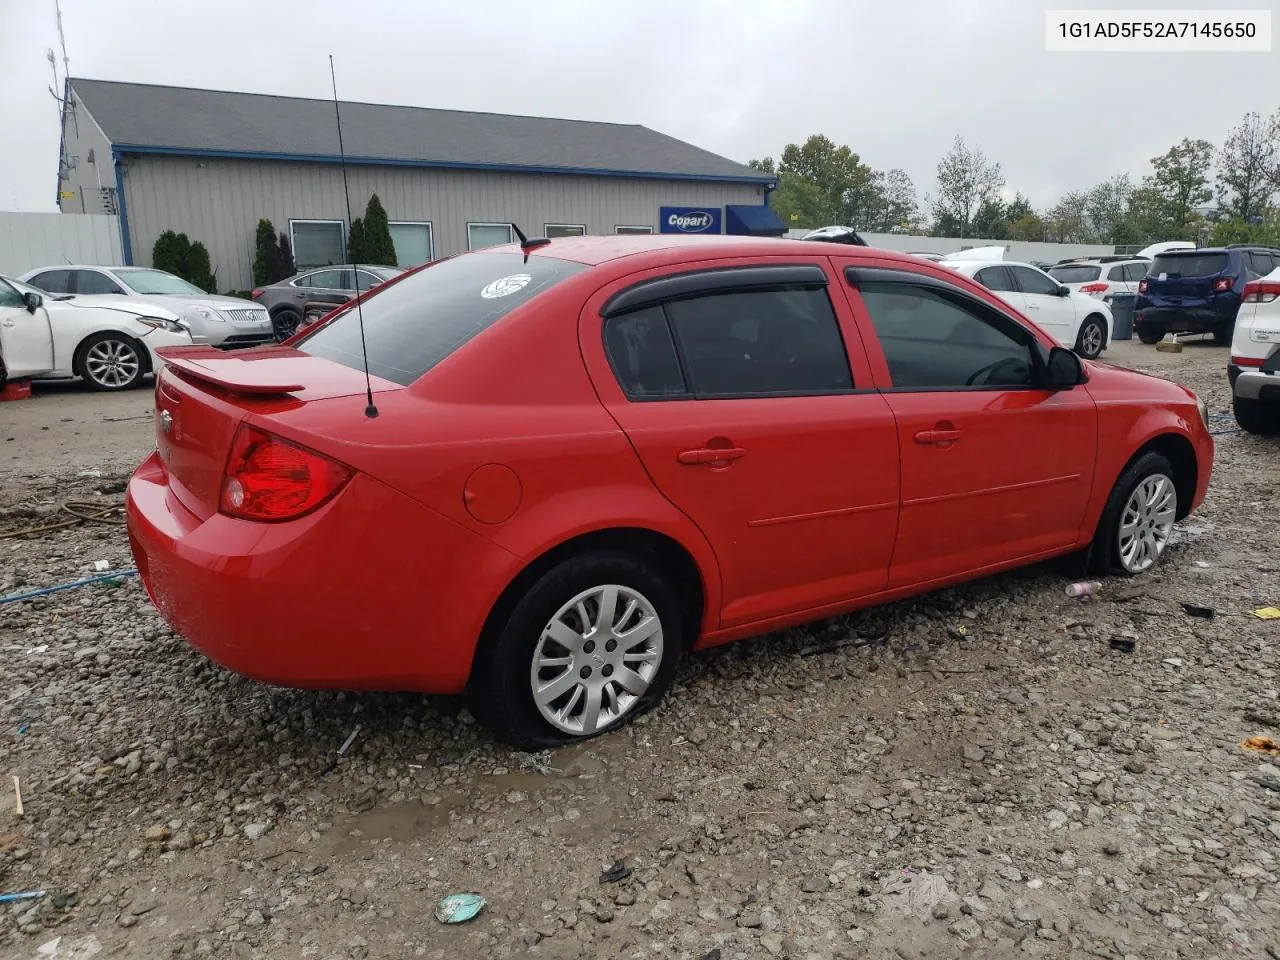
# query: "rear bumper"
(373, 591)
(1181, 319)
(1254, 384)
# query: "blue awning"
(752, 220)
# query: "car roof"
(979, 264)
(663, 247)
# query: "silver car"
(225, 322)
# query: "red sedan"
(587, 456)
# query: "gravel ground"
(974, 772)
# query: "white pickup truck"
(1254, 367)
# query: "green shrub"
(175, 253)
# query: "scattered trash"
(538, 763)
(81, 948)
(24, 725)
(618, 872)
(349, 741)
(1195, 610)
(40, 649)
(102, 565)
(1203, 564)
(96, 474)
(1123, 644)
(24, 895)
(114, 575)
(459, 907)
(1261, 744)
(959, 632)
(17, 798)
(1267, 613)
(1172, 661)
(1084, 588)
(917, 893)
(1170, 346)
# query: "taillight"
(256, 294)
(270, 479)
(1261, 291)
(1223, 284)
(1142, 286)
(1095, 288)
(1248, 361)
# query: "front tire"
(592, 644)
(1138, 519)
(1092, 337)
(111, 361)
(285, 322)
(1256, 417)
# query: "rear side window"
(1134, 272)
(413, 324)
(1260, 263)
(760, 343)
(643, 355)
(53, 281)
(1080, 274)
(1188, 265)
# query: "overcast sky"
(896, 81)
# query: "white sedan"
(110, 343)
(1077, 321)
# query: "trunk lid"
(202, 395)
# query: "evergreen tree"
(284, 267)
(266, 254)
(378, 248)
(356, 243)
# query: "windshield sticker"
(505, 286)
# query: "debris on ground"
(1261, 744)
(618, 872)
(1084, 589)
(1195, 610)
(24, 895)
(1123, 644)
(1267, 613)
(459, 907)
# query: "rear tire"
(1256, 417)
(285, 322)
(1126, 517)
(1150, 333)
(544, 647)
(111, 361)
(1092, 338)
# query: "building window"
(633, 230)
(414, 242)
(481, 235)
(317, 243)
(555, 230)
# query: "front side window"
(9, 296)
(317, 243)
(412, 325)
(1033, 281)
(760, 343)
(995, 278)
(933, 339)
(92, 282)
(53, 281)
(481, 235)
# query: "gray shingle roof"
(211, 121)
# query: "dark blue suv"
(1198, 291)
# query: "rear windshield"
(1188, 264)
(413, 324)
(1075, 274)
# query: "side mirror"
(1064, 291)
(1065, 369)
(32, 301)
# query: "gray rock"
(966, 928)
(256, 831)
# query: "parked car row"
(289, 301)
(1254, 367)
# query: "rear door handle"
(711, 455)
(937, 436)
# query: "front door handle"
(937, 436)
(711, 455)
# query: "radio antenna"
(370, 411)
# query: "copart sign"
(689, 219)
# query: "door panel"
(26, 340)
(795, 489)
(1056, 315)
(994, 468)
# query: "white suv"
(1101, 276)
(1254, 367)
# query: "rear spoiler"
(235, 372)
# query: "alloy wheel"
(1146, 522)
(1091, 339)
(596, 658)
(112, 364)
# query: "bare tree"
(1248, 174)
(966, 179)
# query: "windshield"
(1082, 274)
(25, 288)
(413, 324)
(157, 282)
(1187, 265)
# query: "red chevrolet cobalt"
(585, 457)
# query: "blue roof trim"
(764, 181)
